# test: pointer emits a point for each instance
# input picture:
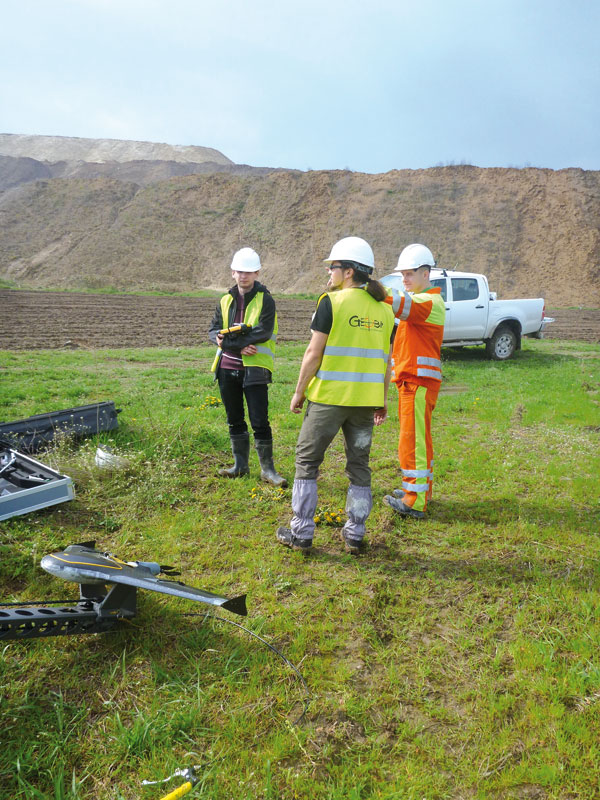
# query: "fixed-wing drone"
(99, 609)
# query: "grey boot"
(401, 507)
(268, 473)
(240, 447)
(359, 503)
(304, 505)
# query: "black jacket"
(259, 333)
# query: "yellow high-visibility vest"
(352, 371)
(266, 350)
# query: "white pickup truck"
(474, 315)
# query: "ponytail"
(370, 285)
(376, 290)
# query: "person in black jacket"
(243, 364)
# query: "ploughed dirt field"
(32, 320)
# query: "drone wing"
(83, 564)
(131, 577)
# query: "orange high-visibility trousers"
(415, 448)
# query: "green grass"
(6, 283)
(458, 658)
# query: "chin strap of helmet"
(362, 269)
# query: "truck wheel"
(502, 345)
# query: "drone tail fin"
(237, 605)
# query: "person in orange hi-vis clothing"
(417, 372)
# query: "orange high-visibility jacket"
(418, 341)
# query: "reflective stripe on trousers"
(415, 448)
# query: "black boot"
(268, 473)
(240, 447)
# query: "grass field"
(458, 658)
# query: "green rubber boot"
(240, 447)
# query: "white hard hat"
(352, 248)
(414, 256)
(246, 260)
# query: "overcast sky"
(369, 85)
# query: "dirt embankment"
(36, 320)
(533, 232)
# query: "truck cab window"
(465, 289)
(441, 284)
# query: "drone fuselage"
(83, 564)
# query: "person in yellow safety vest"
(345, 377)
(417, 372)
(243, 365)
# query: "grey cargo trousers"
(319, 428)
